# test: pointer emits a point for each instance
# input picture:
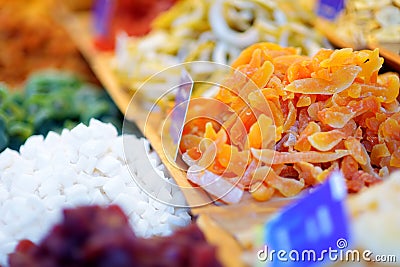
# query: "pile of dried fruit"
(96, 236)
(294, 120)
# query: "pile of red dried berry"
(102, 236)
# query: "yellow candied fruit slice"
(261, 192)
(379, 151)
(356, 150)
(395, 159)
(210, 132)
(304, 101)
(325, 141)
(302, 143)
(261, 133)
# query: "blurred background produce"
(367, 21)
(51, 101)
(131, 16)
(213, 31)
(31, 39)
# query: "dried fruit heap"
(305, 117)
(97, 236)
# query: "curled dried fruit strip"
(269, 156)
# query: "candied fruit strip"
(341, 80)
(269, 156)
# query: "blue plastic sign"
(312, 231)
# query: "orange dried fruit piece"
(389, 86)
(194, 153)
(304, 101)
(340, 57)
(302, 143)
(227, 96)
(368, 104)
(336, 116)
(263, 74)
(391, 129)
(308, 172)
(353, 91)
(208, 150)
(286, 186)
(224, 155)
(379, 151)
(290, 118)
(234, 160)
(258, 100)
(189, 141)
(325, 173)
(276, 113)
(282, 63)
(325, 141)
(356, 151)
(299, 70)
(262, 133)
(268, 52)
(395, 159)
(210, 132)
(348, 166)
(341, 79)
(261, 192)
(371, 66)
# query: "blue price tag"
(330, 9)
(102, 16)
(312, 231)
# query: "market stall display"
(82, 166)
(51, 101)
(105, 238)
(293, 114)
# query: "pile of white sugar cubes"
(84, 166)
